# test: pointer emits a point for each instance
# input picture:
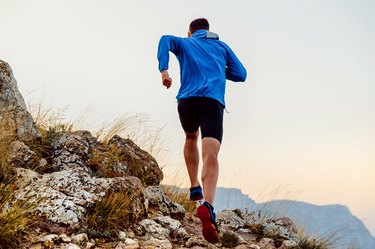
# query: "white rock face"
(154, 229)
(13, 110)
(65, 194)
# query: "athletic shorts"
(203, 113)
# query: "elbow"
(243, 76)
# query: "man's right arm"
(167, 43)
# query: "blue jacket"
(205, 64)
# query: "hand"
(166, 80)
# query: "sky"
(302, 126)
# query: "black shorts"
(203, 113)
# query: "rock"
(229, 219)
(64, 238)
(122, 235)
(136, 162)
(154, 197)
(281, 228)
(267, 243)
(193, 242)
(127, 244)
(250, 246)
(288, 244)
(20, 155)
(168, 222)
(65, 195)
(158, 243)
(90, 245)
(69, 152)
(68, 246)
(230, 239)
(181, 233)
(49, 237)
(80, 238)
(13, 111)
(154, 229)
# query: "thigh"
(188, 112)
(211, 121)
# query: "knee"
(191, 137)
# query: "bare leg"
(191, 155)
(210, 171)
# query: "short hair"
(197, 24)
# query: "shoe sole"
(208, 228)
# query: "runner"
(205, 64)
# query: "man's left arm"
(235, 71)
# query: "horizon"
(304, 121)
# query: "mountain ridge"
(333, 220)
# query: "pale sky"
(303, 120)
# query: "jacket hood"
(202, 33)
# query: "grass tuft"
(15, 219)
(110, 213)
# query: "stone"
(90, 245)
(281, 228)
(80, 238)
(168, 222)
(230, 239)
(229, 219)
(122, 235)
(14, 116)
(65, 238)
(267, 243)
(136, 162)
(154, 229)
(65, 195)
(49, 237)
(20, 155)
(155, 198)
(289, 244)
(196, 242)
(67, 246)
(158, 243)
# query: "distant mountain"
(321, 221)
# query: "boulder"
(14, 116)
(135, 161)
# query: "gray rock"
(13, 111)
(168, 222)
(154, 229)
(136, 162)
(67, 246)
(20, 155)
(281, 228)
(158, 243)
(80, 238)
(229, 219)
(155, 197)
(267, 243)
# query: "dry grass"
(175, 187)
(110, 213)
(15, 219)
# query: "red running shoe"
(205, 213)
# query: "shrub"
(15, 219)
(110, 213)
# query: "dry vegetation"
(111, 213)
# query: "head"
(197, 24)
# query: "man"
(205, 64)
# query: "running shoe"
(196, 193)
(205, 213)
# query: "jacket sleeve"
(235, 71)
(167, 43)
